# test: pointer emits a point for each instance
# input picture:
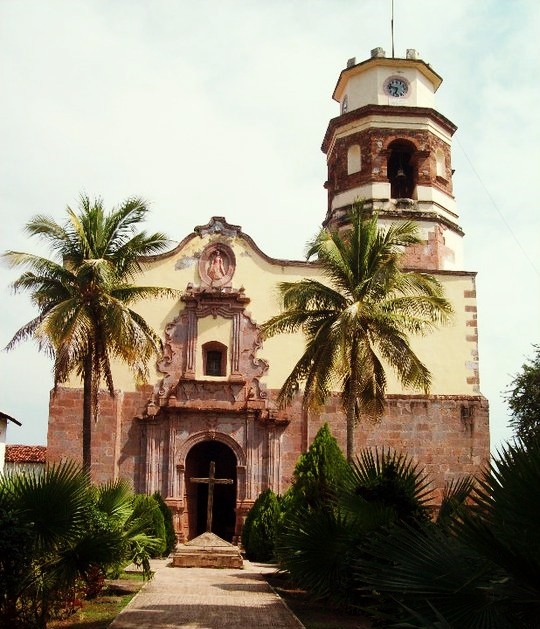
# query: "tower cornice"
(385, 111)
(388, 62)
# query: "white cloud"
(219, 108)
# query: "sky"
(219, 107)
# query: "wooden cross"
(211, 481)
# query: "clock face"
(396, 87)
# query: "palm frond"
(426, 570)
(456, 495)
(115, 498)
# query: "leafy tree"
(84, 296)
(259, 531)
(523, 398)
(360, 320)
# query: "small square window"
(214, 355)
(214, 361)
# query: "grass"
(101, 611)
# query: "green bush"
(335, 508)
(170, 535)
(259, 532)
(15, 566)
(148, 506)
(313, 536)
(319, 474)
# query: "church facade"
(213, 397)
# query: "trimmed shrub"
(319, 474)
(148, 507)
(259, 532)
(170, 535)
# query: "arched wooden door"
(224, 499)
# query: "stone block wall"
(447, 435)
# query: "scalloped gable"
(218, 226)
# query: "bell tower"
(391, 148)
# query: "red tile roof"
(25, 454)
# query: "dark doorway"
(224, 510)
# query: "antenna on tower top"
(392, 28)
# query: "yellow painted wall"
(446, 352)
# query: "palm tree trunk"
(351, 403)
(87, 414)
(351, 424)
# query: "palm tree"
(84, 296)
(360, 319)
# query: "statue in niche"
(216, 266)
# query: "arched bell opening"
(401, 170)
(223, 507)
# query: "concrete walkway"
(207, 598)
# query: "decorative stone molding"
(218, 225)
(241, 390)
(182, 449)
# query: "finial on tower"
(392, 28)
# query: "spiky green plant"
(479, 570)
(50, 511)
(320, 547)
(72, 533)
(388, 481)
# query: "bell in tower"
(391, 148)
(400, 171)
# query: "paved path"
(207, 598)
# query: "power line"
(505, 222)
